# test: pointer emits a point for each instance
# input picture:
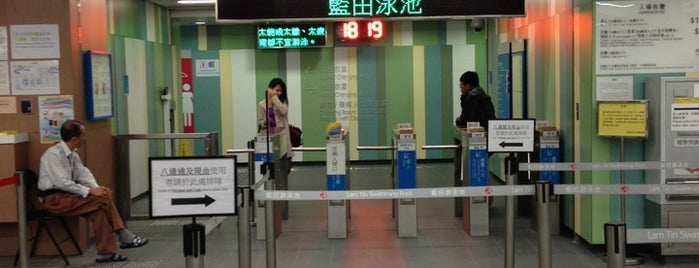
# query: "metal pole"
(269, 228)
(622, 180)
(615, 239)
(543, 194)
(510, 163)
(244, 252)
(22, 221)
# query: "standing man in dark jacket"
(476, 106)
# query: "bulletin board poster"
(39, 77)
(53, 111)
(98, 85)
(3, 43)
(659, 36)
(622, 119)
(35, 41)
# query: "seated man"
(69, 189)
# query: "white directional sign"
(192, 186)
(509, 136)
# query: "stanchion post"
(22, 221)
(194, 244)
(244, 251)
(543, 200)
(269, 225)
(615, 240)
(511, 171)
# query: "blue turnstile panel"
(336, 182)
(406, 169)
(478, 166)
(405, 161)
(550, 155)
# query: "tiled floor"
(372, 238)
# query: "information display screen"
(357, 31)
(270, 10)
(291, 35)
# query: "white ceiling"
(190, 13)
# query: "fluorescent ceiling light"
(200, 23)
(196, 1)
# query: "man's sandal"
(115, 257)
(137, 242)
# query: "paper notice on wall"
(3, 43)
(8, 105)
(4, 77)
(35, 41)
(618, 88)
(35, 77)
(53, 112)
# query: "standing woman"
(274, 112)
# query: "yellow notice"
(685, 100)
(622, 119)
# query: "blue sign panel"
(550, 155)
(504, 86)
(478, 167)
(336, 182)
(406, 169)
(263, 157)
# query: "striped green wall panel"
(207, 108)
(398, 89)
(426, 33)
(239, 36)
(318, 93)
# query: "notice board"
(624, 119)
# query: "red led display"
(357, 31)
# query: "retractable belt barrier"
(447, 192)
(589, 166)
(9, 180)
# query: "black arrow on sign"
(511, 144)
(206, 201)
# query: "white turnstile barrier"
(337, 180)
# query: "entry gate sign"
(510, 136)
(192, 186)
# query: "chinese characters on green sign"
(362, 8)
(291, 36)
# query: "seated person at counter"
(69, 189)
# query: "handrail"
(441, 147)
(308, 149)
(377, 148)
(166, 136)
(239, 151)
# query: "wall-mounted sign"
(266, 10)
(98, 85)
(291, 35)
(622, 119)
(658, 36)
(207, 68)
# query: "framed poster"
(98, 85)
